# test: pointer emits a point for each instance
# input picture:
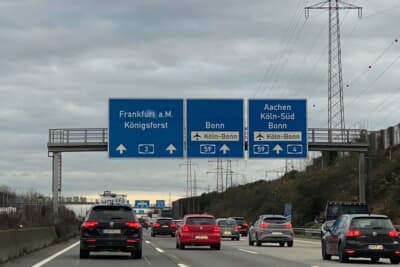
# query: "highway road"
(161, 251)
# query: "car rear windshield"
(239, 220)
(227, 222)
(275, 220)
(164, 221)
(200, 220)
(107, 213)
(371, 223)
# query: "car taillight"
(236, 227)
(264, 225)
(216, 229)
(288, 225)
(185, 228)
(90, 224)
(244, 224)
(156, 225)
(134, 225)
(172, 225)
(393, 233)
(353, 233)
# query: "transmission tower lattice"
(335, 78)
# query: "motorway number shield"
(375, 247)
(201, 237)
(111, 231)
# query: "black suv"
(111, 228)
(163, 226)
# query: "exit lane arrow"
(121, 148)
(224, 149)
(277, 149)
(171, 148)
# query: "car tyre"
(137, 254)
(258, 243)
(395, 260)
(233, 238)
(216, 247)
(181, 246)
(251, 243)
(84, 254)
(238, 238)
(325, 256)
(290, 244)
(172, 235)
(375, 258)
(281, 244)
(177, 245)
(343, 258)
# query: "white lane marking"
(147, 242)
(52, 257)
(182, 265)
(249, 251)
(160, 250)
(147, 261)
(315, 266)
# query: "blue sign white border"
(186, 132)
(155, 157)
(249, 133)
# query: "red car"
(198, 230)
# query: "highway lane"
(161, 251)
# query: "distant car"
(271, 229)
(242, 224)
(163, 226)
(144, 223)
(198, 230)
(229, 228)
(178, 222)
(111, 228)
(358, 235)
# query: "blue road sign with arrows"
(215, 128)
(145, 128)
(278, 128)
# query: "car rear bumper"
(163, 231)
(274, 238)
(193, 239)
(98, 244)
(387, 252)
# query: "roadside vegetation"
(309, 190)
(33, 210)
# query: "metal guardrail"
(100, 135)
(77, 135)
(311, 232)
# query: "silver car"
(229, 228)
(271, 229)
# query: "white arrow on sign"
(224, 149)
(277, 149)
(121, 148)
(171, 148)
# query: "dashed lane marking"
(160, 250)
(249, 251)
(52, 257)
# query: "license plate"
(111, 231)
(276, 233)
(375, 247)
(201, 237)
(227, 233)
(165, 226)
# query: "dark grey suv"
(111, 228)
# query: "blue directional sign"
(142, 204)
(160, 204)
(278, 128)
(145, 128)
(215, 128)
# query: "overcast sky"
(62, 60)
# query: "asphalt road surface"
(161, 251)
